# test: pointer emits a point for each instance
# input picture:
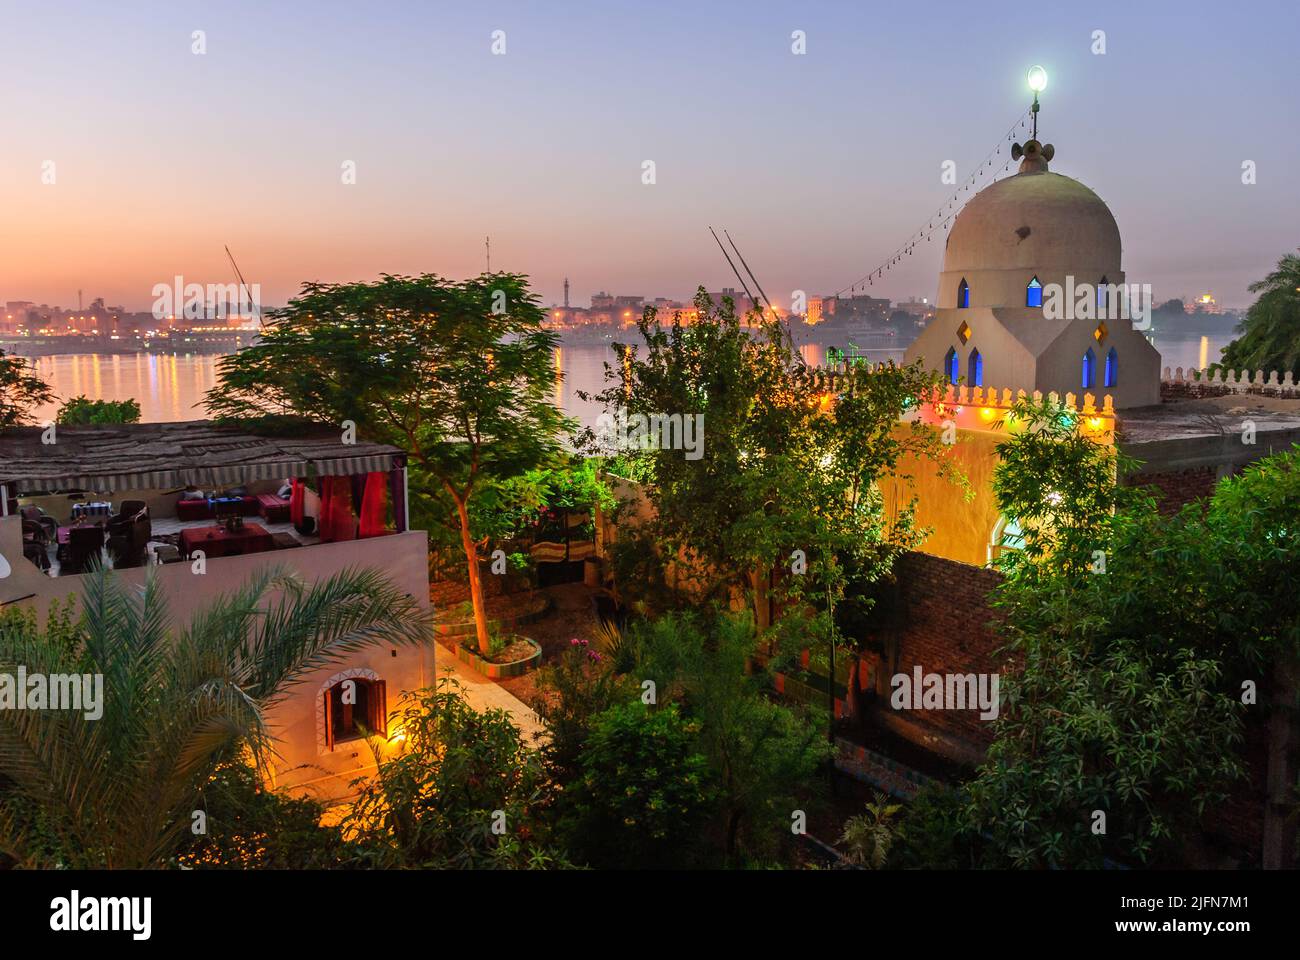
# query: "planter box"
(498, 671)
(463, 627)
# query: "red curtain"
(323, 511)
(296, 500)
(338, 522)
(374, 506)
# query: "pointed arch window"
(1103, 297)
(1111, 375)
(963, 294)
(951, 365)
(975, 369)
(1007, 535)
(1034, 293)
(1089, 370)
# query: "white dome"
(1034, 224)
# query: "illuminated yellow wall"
(961, 528)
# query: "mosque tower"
(1031, 294)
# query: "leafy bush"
(764, 755)
(582, 687)
(249, 827)
(82, 410)
(644, 791)
(869, 837)
(462, 790)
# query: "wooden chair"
(39, 517)
(84, 545)
(36, 544)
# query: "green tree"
(1252, 524)
(118, 791)
(763, 755)
(83, 410)
(789, 461)
(20, 391)
(644, 790)
(1115, 701)
(1269, 335)
(460, 375)
(464, 791)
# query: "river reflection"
(170, 387)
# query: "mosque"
(1033, 301)
(998, 333)
(1033, 233)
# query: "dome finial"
(1035, 154)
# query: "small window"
(1111, 375)
(951, 365)
(1034, 294)
(354, 708)
(1007, 535)
(975, 369)
(1103, 297)
(963, 294)
(1089, 370)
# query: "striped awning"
(163, 455)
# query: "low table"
(217, 541)
(88, 522)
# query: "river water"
(170, 387)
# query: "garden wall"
(1174, 489)
(939, 621)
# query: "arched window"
(1111, 375)
(1103, 298)
(1007, 535)
(951, 366)
(1034, 293)
(963, 294)
(975, 369)
(354, 707)
(1089, 369)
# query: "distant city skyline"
(121, 171)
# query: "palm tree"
(1270, 333)
(119, 791)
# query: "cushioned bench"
(203, 509)
(272, 508)
(193, 510)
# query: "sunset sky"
(818, 164)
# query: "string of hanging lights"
(940, 219)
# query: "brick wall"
(939, 617)
(940, 622)
(1173, 490)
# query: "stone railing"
(1180, 384)
(989, 397)
(985, 409)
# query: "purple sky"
(819, 164)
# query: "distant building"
(914, 307)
